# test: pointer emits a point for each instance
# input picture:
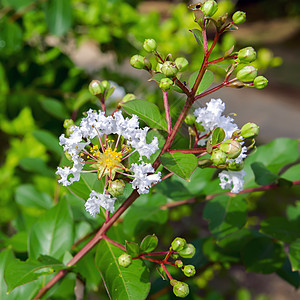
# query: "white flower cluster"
(211, 117)
(96, 124)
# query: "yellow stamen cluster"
(111, 158)
(95, 151)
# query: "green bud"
(247, 55)
(96, 87)
(235, 166)
(209, 8)
(179, 263)
(174, 255)
(188, 251)
(190, 119)
(116, 188)
(181, 63)
(189, 270)
(125, 260)
(260, 82)
(140, 62)
(232, 148)
(173, 282)
(239, 17)
(246, 74)
(150, 45)
(249, 130)
(178, 244)
(68, 123)
(158, 67)
(165, 84)
(128, 97)
(181, 289)
(105, 84)
(169, 69)
(218, 157)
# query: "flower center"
(111, 158)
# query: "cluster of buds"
(101, 89)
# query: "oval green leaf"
(149, 243)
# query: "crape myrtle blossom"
(103, 145)
(232, 180)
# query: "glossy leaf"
(218, 136)
(262, 175)
(181, 164)
(53, 233)
(292, 173)
(132, 248)
(225, 215)
(146, 111)
(294, 255)
(198, 36)
(206, 81)
(128, 283)
(149, 243)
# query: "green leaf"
(17, 4)
(36, 165)
(18, 242)
(146, 111)
(225, 215)
(292, 173)
(286, 273)
(262, 255)
(158, 77)
(281, 229)
(19, 272)
(58, 16)
(53, 233)
(198, 36)
(55, 108)
(132, 248)
(262, 175)
(149, 243)
(27, 195)
(293, 211)
(294, 255)
(121, 283)
(49, 140)
(218, 136)
(206, 81)
(181, 164)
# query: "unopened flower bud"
(239, 17)
(190, 119)
(174, 255)
(218, 157)
(181, 63)
(236, 84)
(158, 67)
(181, 289)
(150, 45)
(105, 84)
(246, 74)
(235, 166)
(209, 8)
(169, 69)
(232, 148)
(140, 62)
(173, 282)
(188, 251)
(128, 97)
(125, 260)
(249, 130)
(260, 82)
(165, 84)
(189, 270)
(179, 263)
(68, 123)
(96, 87)
(178, 244)
(247, 55)
(116, 188)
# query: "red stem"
(167, 110)
(193, 150)
(167, 272)
(105, 237)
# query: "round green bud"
(178, 244)
(181, 289)
(189, 270)
(179, 263)
(158, 67)
(209, 8)
(125, 260)
(239, 17)
(166, 84)
(140, 62)
(105, 84)
(260, 82)
(96, 87)
(150, 45)
(173, 282)
(174, 255)
(68, 123)
(190, 119)
(249, 130)
(247, 55)
(232, 148)
(235, 166)
(246, 74)
(169, 69)
(188, 251)
(218, 157)
(181, 63)
(128, 97)
(116, 188)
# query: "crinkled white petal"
(96, 200)
(142, 181)
(232, 180)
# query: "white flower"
(232, 180)
(96, 200)
(142, 182)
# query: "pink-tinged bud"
(239, 17)
(189, 270)
(166, 84)
(249, 130)
(179, 263)
(169, 69)
(247, 55)
(232, 148)
(181, 289)
(96, 87)
(247, 74)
